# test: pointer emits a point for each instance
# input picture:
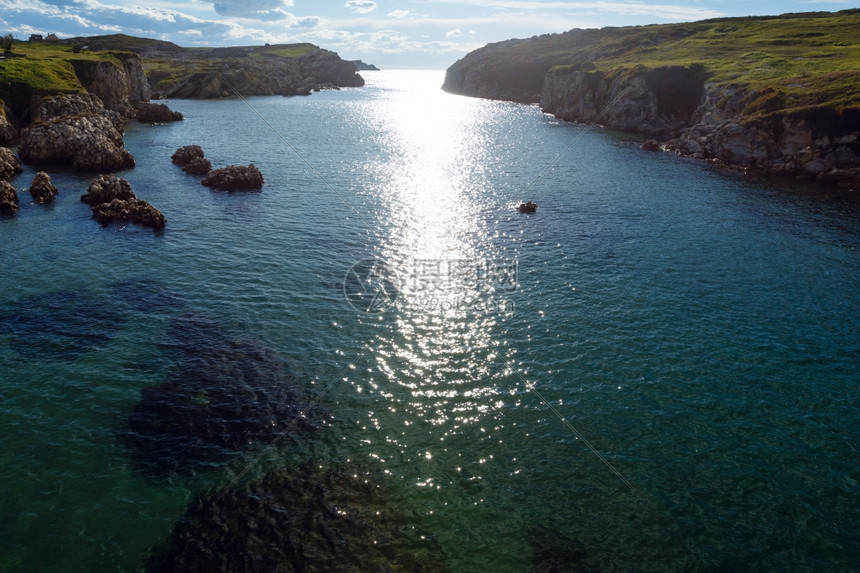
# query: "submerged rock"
(8, 199)
(42, 190)
(61, 325)
(225, 395)
(308, 519)
(553, 552)
(235, 178)
(131, 210)
(186, 154)
(156, 113)
(198, 166)
(106, 188)
(9, 164)
(75, 129)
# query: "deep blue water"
(699, 329)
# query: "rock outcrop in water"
(8, 199)
(156, 113)
(42, 190)
(76, 130)
(311, 519)
(190, 157)
(225, 395)
(112, 199)
(235, 178)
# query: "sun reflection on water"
(440, 371)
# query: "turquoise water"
(698, 329)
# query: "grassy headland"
(801, 61)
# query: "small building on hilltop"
(36, 38)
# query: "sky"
(429, 34)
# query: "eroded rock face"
(119, 87)
(9, 164)
(8, 132)
(112, 199)
(309, 519)
(129, 210)
(156, 113)
(235, 178)
(106, 188)
(186, 154)
(198, 166)
(225, 394)
(42, 190)
(8, 199)
(75, 129)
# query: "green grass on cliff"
(42, 68)
(803, 61)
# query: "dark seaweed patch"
(553, 552)
(60, 325)
(146, 295)
(224, 395)
(298, 519)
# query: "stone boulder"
(8, 199)
(235, 178)
(156, 113)
(106, 188)
(528, 207)
(42, 190)
(198, 166)
(76, 130)
(129, 210)
(184, 155)
(9, 164)
(651, 145)
(112, 199)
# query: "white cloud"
(455, 33)
(264, 10)
(361, 6)
(399, 14)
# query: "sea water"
(656, 371)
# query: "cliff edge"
(778, 94)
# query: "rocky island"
(776, 94)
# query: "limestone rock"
(106, 188)
(8, 132)
(8, 199)
(184, 155)
(235, 178)
(42, 190)
(75, 129)
(131, 210)
(9, 164)
(651, 145)
(198, 166)
(156, 113)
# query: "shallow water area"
(655, 371)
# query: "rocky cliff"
(121, 86)
(740, 91)
(267, 70)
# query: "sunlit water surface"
(657, 371)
